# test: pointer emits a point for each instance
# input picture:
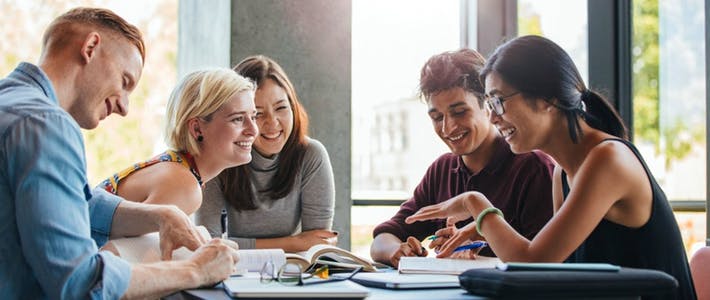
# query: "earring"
(200, 138)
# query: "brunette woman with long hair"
(285, 197)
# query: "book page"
(432, 265)
(344, 258)
(253, 260)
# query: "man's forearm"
(132, 218)
(152, 281)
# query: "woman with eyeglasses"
(285, 197)
(608, 207)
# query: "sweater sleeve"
(209, 212)
(317, 188)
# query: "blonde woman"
(210, 126)
(284, 197)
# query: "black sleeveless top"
(655, 245)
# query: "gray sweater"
(308, 206)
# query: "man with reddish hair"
(52, 224)
(480, 160)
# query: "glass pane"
(393, 141)
(669, 93)
(364, 220)
(563, 21)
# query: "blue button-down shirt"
(51, 222)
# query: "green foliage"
(679, 139)
(674, 140)
(645, 57)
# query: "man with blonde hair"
(52, 223)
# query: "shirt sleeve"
(102, 206)
(46, 166)
(317, 189)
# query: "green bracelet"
(483, 213)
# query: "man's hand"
(412, 247)
(215, 260)
(176, 230)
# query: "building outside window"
(392, 136)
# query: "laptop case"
(567, 284)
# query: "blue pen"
(474, 245)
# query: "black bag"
(627, 282)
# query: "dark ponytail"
(539, 69)
(601, 115)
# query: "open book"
(324, 254)
(432, 265)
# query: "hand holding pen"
(442, 235)
(458, 252)
(459, 237)
(411, 247)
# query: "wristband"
(483, 214)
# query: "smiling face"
(459, 120)
(274, 118)
(231, 131)
(106, 81)
(524, 125)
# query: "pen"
(474, 245)
(223, 221)
(431, 238)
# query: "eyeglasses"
(495, 103)
(292, 274)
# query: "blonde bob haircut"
(199, 95)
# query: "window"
(669, 91)
(563, 21)
(393, 141)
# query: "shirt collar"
(33, 75)
(499, 158)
